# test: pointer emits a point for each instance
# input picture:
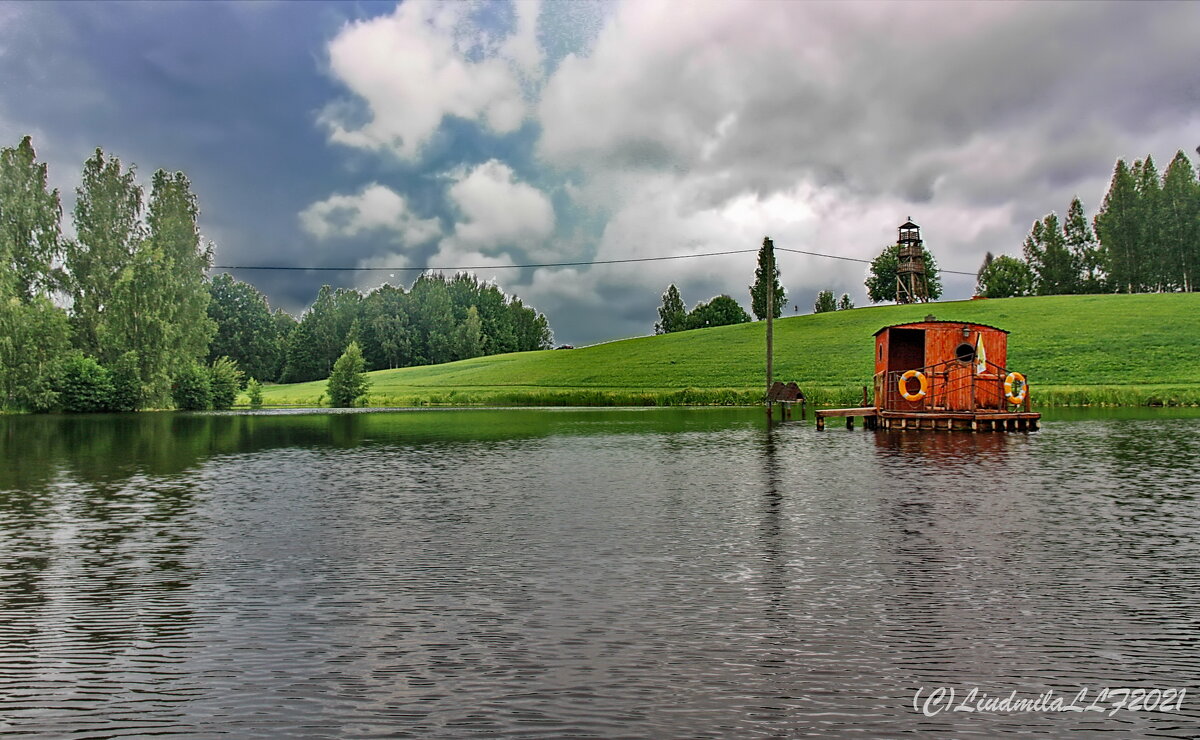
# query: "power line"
(478, 267)
(541, 264)
(856, 259)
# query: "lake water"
(593, 573)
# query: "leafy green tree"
(1118, 229)
(1085, 251)
(531, 328)
(767, 274)
(720, 311)
(321, 336)
(225, 378)
(29, 224)
(386, 337)
(468, 341)
(84, 385)
(881, 275)
(34, 339)
(285, 324)
(1181, 222)
(128, 393)
(246, 331)
(825, 302)
(303, 362)
(254, 393)
(433, 319)
(672, 314)
(1006, 277)
(192, 390)
(109, 233)
(464, 289)
(500, 335)
(844, 303)
(173, 328)
(347, 383)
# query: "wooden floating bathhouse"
(943, 375)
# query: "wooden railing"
(953, 385)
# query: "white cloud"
(522, 45)
(823, 125)
(880, 98)
(499, 211)
(422, 63)
(374, 208)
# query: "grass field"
(1102, 349)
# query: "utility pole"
(770, 319)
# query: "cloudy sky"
(493, 134)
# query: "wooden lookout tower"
(944, 375)
(911, 285)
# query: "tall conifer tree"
(1054, 267)
(1118, 229)
(1084, 250)
(1181, 221)
(1152, 271)
(766, 274)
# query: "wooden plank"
(861, 411)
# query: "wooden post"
(770, 287)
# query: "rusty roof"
(938, 321)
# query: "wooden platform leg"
(849, 422)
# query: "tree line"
(122, 317)
(438, 319)
(1144, 239)
(825, 302)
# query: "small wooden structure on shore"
(943, 375)
(786, 396)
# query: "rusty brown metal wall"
(952, 383)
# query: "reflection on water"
(666, 573)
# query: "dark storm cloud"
(651, 131)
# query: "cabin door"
(906, 351)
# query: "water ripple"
(590, 574)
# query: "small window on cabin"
(881, 352)
(965, 352)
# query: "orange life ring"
(1015, 378)
(920, 376)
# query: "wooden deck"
(979, 421)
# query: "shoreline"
(1073, 396)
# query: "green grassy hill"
(1116, 349)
